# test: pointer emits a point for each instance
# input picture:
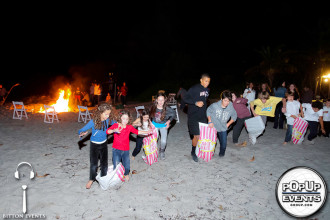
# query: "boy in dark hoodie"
(196, 98)
(218, 115)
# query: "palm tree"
(274, 62)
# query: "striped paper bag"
(206, 143)
(150, 147)
(299, 130)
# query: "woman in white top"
(249, 93)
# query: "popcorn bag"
(150, 148)
(113, 177)
(298, 130)
(206, 143)
(255, 126)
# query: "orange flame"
(62, 103)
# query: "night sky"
(151, 46)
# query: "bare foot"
(89, 184)
(285, 143)
(243, 144)
(126, 178)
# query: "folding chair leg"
(25, 114)
(177, 115)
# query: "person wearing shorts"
(196, 98)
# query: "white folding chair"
(175, 108)
(50, 114)
(137, 108)
(18, 110)
(84, 114)
(171, 99)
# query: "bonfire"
(62, 103)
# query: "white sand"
(232, 187)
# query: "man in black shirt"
(196, 98)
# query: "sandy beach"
(240, 185)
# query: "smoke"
(81, 76)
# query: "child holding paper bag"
(292, 112)
(218, 115)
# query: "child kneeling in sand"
(98, 145)
(313, 114)
(120, 146)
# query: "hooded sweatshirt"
(220, 116)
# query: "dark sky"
(158, 40)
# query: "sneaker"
(162, 155)
(221, 155)
(194, 156)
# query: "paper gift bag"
(113, 177)
(206, 143)
(298, 131)
(150, 147)
(255, 126)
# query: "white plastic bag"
(255, 126)
(113, 177)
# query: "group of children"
(233, 108)
(220, 115)
(104, 123)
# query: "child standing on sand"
(196, 98)
(162, 115)
(98, 144)
(143, 123)
(243, 114)
(218, 115)
(292, 112)
(120, 146)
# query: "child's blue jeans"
(222, 135)
(288, 134)
(121, 156)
